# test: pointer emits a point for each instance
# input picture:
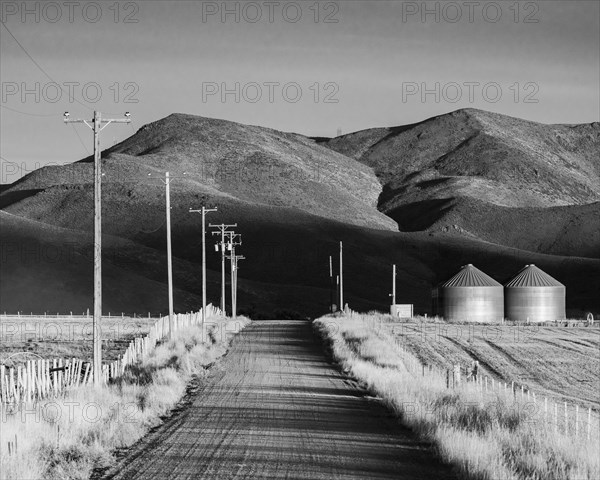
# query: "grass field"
(488, 435)
(558, 362)
(30, 337)
(61, 439)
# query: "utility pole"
(222, 228)
(169, 257)
(167, 182)
(233, 260)
(330, 284)
(337, 289)
(96, 125)
(393, 294)
(237, 259)
(203, 211)
(341, 279)
(234, 277)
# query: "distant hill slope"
(254, 165)
(464, 168)
(293, 201)
(286, 270)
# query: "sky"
(315, 68)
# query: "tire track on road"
(274, 408)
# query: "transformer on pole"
(222, 229)
(203, 211)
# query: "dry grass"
(66, 438)
(66, 337)
(562, 363)
(487, 436)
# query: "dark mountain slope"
(286, 267)
(465, 167)
(290, 222)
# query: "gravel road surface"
(275, 408)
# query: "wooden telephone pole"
(203, 211)
(234, 281)
(393, 294)
(97, 124)
(169, 255)
(167, 181)
(222, 228)
(330, 284)
(341, 279)
(234, 259)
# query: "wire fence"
(44, 378)
(71, 315)
(561, 417)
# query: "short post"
(576, 420)
(566, 420)
(589, 424)
(457, 374)
(555, 417)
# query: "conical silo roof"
(532, 276)
(469, 276)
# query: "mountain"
(293, 200)
(240, 164)
(488, 176)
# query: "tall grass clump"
(487, 436)
(68, 437)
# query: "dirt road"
(275, 408)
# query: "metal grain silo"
(533, 295)
(471, 296)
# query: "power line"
(31, 114)
(80, 139)
(40, 67)
(48, 115)
(222, 230)
(203, 211)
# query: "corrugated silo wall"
(472, 304)
(536, 304)
(435, 304)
